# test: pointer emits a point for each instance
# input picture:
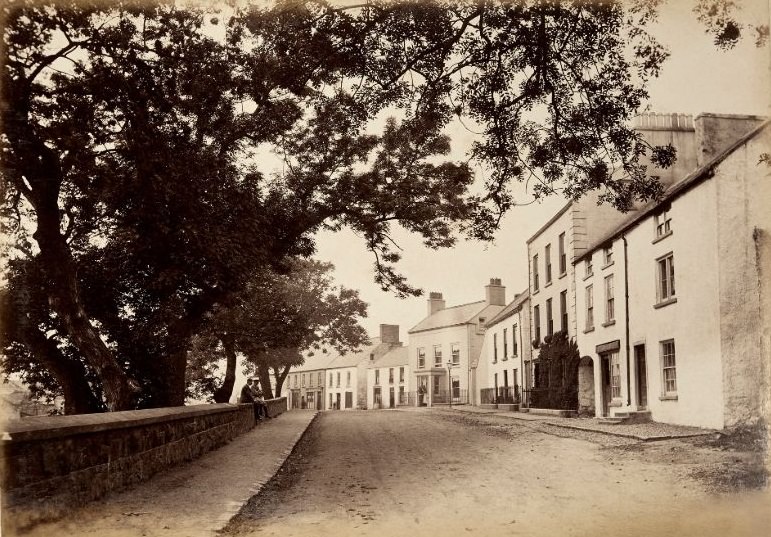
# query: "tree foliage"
(135, 141)
(556, 373)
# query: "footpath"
(194, 499)
(647, 432)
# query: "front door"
(605, 365)
(642, 377)
(392, 402)
(337, 401)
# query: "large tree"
(134, 142)
(278, 319)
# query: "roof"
(319, 360)
(398, 356)
(352, 359)
(674, 191)
(510, 309)
(453, 316)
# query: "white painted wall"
(385, 385)
(466, 336)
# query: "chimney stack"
(435, 302)
(495, 293)
(717, 132)
(389, 333)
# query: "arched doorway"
(586, 386)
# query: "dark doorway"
(642, 376)
(337, 401)
(348, 399)
(605, 365)
(392, 402)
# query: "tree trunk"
(280, 376)
(263, 372)
(225, 391)
(79, 398)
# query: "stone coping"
(47, 427)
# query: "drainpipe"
(626, 318)
(521, 357)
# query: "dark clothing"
(246, 394)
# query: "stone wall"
(53, 463)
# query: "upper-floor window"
(377, 377)
(321, 379)
(668, 367)
(514, 347)
(438, 355)
(588, 266)
(401, 374)
(310, 379)
(549, 320)
(547, 262)
(589, 307)
(535, 272)
(330, 380)
(348, 379)
(455, 350)
(537, 322)
(390, 375)
(610, 312)
(495, 348)
(505, 345)
(564, 311)
(338, 379)
(666, 277)
(663, 223)
(303, 380)
(295, 381)
(607, 254)
(421, 358)
(563, 256)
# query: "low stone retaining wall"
(554, 412)
(50, 464)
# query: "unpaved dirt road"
(444, 473)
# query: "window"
(338, 379)
(401, 374)
(668, 365)
(505, 345)
(608, 255)
(303, 380)
(610, 313)
(421, 358)
(377, 377)
(390, 375)
(321, 379)
(455, 350)
(588, 266)
(537, 322)
(330, 380)
(549, 320)
(589, 307)
(295, 381)
(436, 385)
(505, 378)
(310, 379)
(563, 257)
(547, 261)
(535, 272)
(615, 375)
(495, 348)
(438, 355)
(564, 311)
(663, 224)
(515, 378)
(348, 379)
(514, 348)
(666, 278)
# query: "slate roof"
(398, 356)
(674, 191)
(353, 359)
(453, 316)
(510, 308)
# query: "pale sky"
(696, 78)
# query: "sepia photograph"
(432, 268)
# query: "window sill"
(535, 292)
(504, 359)
(562, 275)
(586, 277)
(608, 265)
(547, 284)
(667, 398)
(609, 323)
(666, 302)
(661, 237)
(589, 330)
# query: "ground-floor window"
(455, 387)
(668, 365)
(348, 399)
(376, 396)
(436, 384)
(402, 397)
(331, 401)
(615, 375)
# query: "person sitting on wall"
(260, 407)
(246, 393)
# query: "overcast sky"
(696, 78)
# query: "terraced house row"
(668, 304)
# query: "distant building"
(676, 321)
(448, 342)
(505, 352)
(388, 379)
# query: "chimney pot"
(495, 293)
